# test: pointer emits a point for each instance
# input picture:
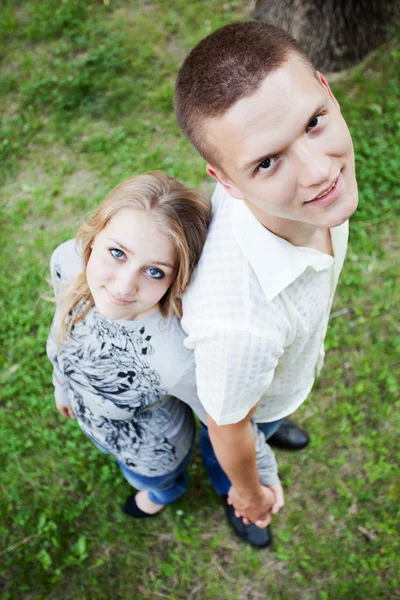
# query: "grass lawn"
(86, 97)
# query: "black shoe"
(253, 535)
(131, 508)
(289, 437)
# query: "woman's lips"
(118, 301)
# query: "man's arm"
(234, 368)
(234, 447)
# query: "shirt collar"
(276, 262)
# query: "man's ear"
(225, 182)
(326, 85)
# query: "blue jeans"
(163, 489)
(214, 470)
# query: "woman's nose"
(128, 283)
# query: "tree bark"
(335, 34)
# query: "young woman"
(116, 344)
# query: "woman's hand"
(66, 411)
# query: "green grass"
(86, 98)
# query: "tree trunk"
(335, 34)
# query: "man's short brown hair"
(224, 67)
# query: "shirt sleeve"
(60, 387)
(233, 370)
(267, 466)
(52, 349)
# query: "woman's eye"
(267, 164)
(118, 254)
(314, 122)
(155, 273)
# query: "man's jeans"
(216, 475)
(163, 489)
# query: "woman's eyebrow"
(124, 248)
(131, 252)
(162, 264)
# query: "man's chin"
(342, 213)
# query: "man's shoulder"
(216, 275)
(222, 217)
(225, 287)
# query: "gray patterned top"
(123, 380)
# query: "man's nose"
(314, 166)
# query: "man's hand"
(269, 502)
(66, 411)
(234, 446)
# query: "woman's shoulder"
(66, 261)
(166, 336)
(165, 330)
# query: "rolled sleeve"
(267, 466)
(60, 391)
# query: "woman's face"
(131, 266)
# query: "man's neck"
(296, 233)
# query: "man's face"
(286, 150)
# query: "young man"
(257, 311)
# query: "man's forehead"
(269, 116)
(281, 86)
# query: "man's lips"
(328, 195)
(326, 191)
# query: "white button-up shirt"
(256, 315)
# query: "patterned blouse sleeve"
(60, 387)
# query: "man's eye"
(314, 122)
(155, 273)
(266, 165)
(118, 254)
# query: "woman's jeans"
(216, 475)
(163, 489)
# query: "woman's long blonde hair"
(182, 214)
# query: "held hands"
(258, 510)
(66, 411)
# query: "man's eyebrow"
(255, 162)
(153, 262)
